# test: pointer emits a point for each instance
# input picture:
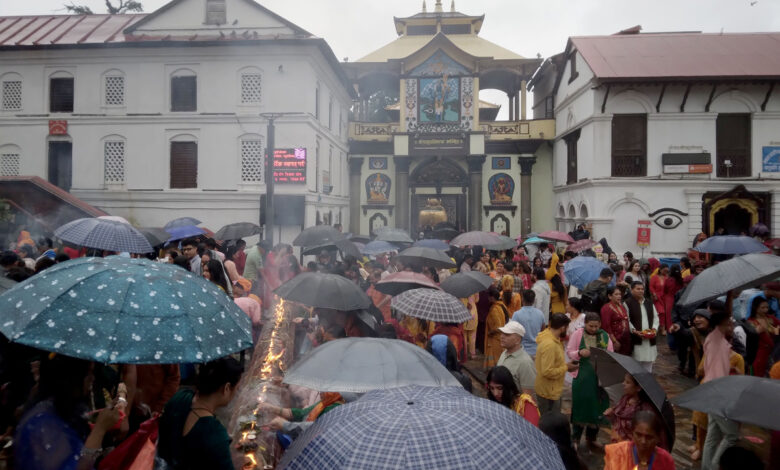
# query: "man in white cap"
(515, 358)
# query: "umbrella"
(581, 270)
(612, 367)
(528, 235)
(464, 284)
(358, 238)
(429, 304)
(739, 272)
(505, 244)
(104, 235)
(475, 238)
(237, 231)
(378, 247)
(422, 256)
(535, 241)
(395, 235)
(740, 398)
(581, 245)
(345, 246)
(115, 218)
(557, 236)
(418, 427)
(445, 233)
(318, 235)
(184, 231)
(434, 243)
(324, 291)
(396, 283)
(362, 364)
(124, 310)
(182, 222)
(155, 236)
(731, 245)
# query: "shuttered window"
(184, 165)
(629, 145)
(216, 12)
(61, 95)
(733, 145)
(571, 156)
(184, 93)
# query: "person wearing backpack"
(594, 296)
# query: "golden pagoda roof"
(472, 44)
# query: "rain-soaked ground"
(665, 371)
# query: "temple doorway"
(733, 219)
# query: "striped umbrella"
(104, 234)
(430, 304)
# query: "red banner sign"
(643, 236)
(58, 127)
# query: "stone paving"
(665, 371)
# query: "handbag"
(124, 456)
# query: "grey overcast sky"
(354, 28)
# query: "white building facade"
(678, 132)
(155, 116)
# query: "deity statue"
(432, 214)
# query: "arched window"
(114, 160)
(10, 160)
(61, 92)
(114, 88)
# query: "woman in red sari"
(614, 320)
(642, 452)
(768, 328)
(672, 285)
(657, 286)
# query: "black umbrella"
(403, 281)
(346, 247)
(467, 283)
(318, 235)
(445, 233)
(155, 235)
(737, 273)
(238, 230)
(611, 369)
(393, 235)
(742, 398)
(424, 256)
(324, 291)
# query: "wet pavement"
(665, 371)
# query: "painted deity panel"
(439, 100)
(501, 187)
(378, 188)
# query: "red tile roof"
(672, 56)
(64, 29)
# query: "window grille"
(251, 90)
(114, 162)
(115, 91)
(9, 164)
(252, 161)
(12, 95)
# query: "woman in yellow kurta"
(558, 298)
(470, 327)
(512, 300)
(420, 329)
(496, 318)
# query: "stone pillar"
(475, 163)
(510, 107)
(517, 107)
(402, 191)
(526, 162)
(355, 167)
(523, 91)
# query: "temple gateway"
(427, 153)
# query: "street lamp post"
(269, 175)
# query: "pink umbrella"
(557, 236)
(396, 283)
(581, 245)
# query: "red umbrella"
(557, 236)
(581, 245)
(396, 283)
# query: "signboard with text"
(643, 233)
(290, 166)
(770, 159)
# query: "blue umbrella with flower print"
(124, 310)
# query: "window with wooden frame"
(573, 74)
(629, 145)
(184, 93)
(216, 12)
(733, 145)
(61, 95)
(184, 165)
(571, 156)
(317, 102)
